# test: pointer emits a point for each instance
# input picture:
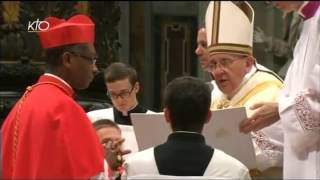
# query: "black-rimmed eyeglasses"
(91, 60)
(124, 94)
(224, 62)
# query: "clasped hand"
(114, 153)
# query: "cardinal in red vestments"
(47, 135)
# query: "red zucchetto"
(77, 29)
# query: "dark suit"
(184, 154)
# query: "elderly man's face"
(229, 70)
(201, 50)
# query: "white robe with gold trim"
(258, 86)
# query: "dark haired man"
(122, 85)
(187, 109)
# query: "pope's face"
(229, 71)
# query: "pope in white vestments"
(242, 82)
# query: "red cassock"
(51, 137)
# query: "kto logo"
(38, 26)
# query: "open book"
(221, 132)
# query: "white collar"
(245, 79)
(57, 77)
(126, 113)
(248, 75)
(190, 132)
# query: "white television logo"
(38, 26)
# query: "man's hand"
(265, 114)
(114, 153)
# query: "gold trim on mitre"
(230, 48)
(229, 26)
(246, 9)
(216, 20)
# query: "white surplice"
(299, 106)
(221, 166)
